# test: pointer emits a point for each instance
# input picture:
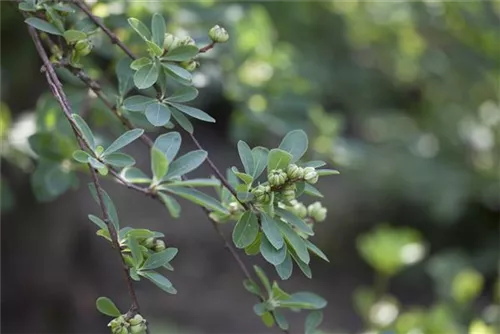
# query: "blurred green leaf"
(140, 28)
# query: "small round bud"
(138, 329)
(136, 320)
(310, 175)
(234, 207)
(188, 40)
(277, 177)
(170, 42)
(99, 149)
(299, 209)
(149, 243)
(122, 330)
(295, 172)
(159, 245)
(317, 211)
(190, 65)
(288, 195)
(261, 193)
(83, 47)
(218, 34)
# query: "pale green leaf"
(193, 112)
(158, 29)
(42, 25)
(271, 230)
(107, 307)
(159, 164)
(260, 160)
(278, 159)
(182, 120)
(295, 143)
(160, 281)
(272, 255)
(123, 141)
(140, 28)
(285, 268)
(185, 94)
(200, 198)
(185, 164)
(174, 208)
(84, 130)
(181, 53)
(81, 156)
(146, 76)
(159, 259)
(246, 229)
(137, 103)
(246, 157)
(304, 300)
(140, 62)
(295, 221)
(118, 159)
(169, 143)
(158, 114)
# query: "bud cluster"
(134, 325)
(156, 245)
(218, 34)
(171, 42)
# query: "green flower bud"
(187, 41)
(138, 329)
(83, 47)
(120, 330)
(317, 211)
(128, 260)
(149, 243)
(136, 320)
(310, 175)
(99, 149)
(288, 195)
(299, 209)
(277, 177)
(170, 42)
(190, 65)
(159, 245)
(295, 172)
(261, 193)
(234, 207)
(218, 34)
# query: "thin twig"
(58, 92)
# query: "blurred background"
(401, 97)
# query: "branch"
(58, 92)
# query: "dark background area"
(402, 98)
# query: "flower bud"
(159, 245)
(149, 243)
(295, 172)
(310, 175)
(188, 40)
(288, 195)
(234, 207)
(99, 149)
(261, 193)
(83, 47)
(138, 329)
(170, 42)
(299, 209)
(136, 320)
(218, 34)
(190, 65)
(277, 177)
(317, 211)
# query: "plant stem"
(58, 92)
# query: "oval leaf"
(246, 230)
(278, 159)
(43, 25)
(158, 114)
(169, 144)
(158, 28)
(271, 230)
(185, 164)
(137, 102)
(119, 160)
(140, 28)
(295, 143)
(123, 141)
(185, 94)
(193, 112)
(107, 307)
(181, 53)
(146, 76)
(200, 198)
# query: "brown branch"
(58, 92)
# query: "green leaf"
(43, 26)
(154, 50)
(267, 319)
(254, 247)
(158, 28)
(194, 183)
(304, 300)
(135, 250)
(108, 203)
(66, 8)
(146, 76)
(137, 103)
(140, 28)
(119, 159)
(186, 163)
(26, 7)
(311, 190)
(314, 163)
(285, 268)
(159, 164)
(251, 287)
(200, 198)
(193, 112)
(281, 321)
(247, 179)
(181, 53)
(316, 251)
(178, 72)
(140, 62)
(185, 94)
(98, 221)
(260, 160)
(107, 307)
(84, 130)
(96, 163)
(246, 157)
(272, 255)
(295, 221)
(159, 259)
(123, 141)
(161, 281)
(278, 159)
(158, 114)
(278, 293)
(73, 36)
(313, 320)
(172, 205)
(302, 266)
(139, 233)
(125, 76)
(326, 172)
(183, 121)
(134, 175)
(271, 230)
(169, 143)
(260, 309)
(81, 156)
(263, 278)
(295, 143)
(246, 229)
(295, 241)
(244, 196)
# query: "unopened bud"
(277, 177)
(159, 246)
(295, 172)
(317, 211)
(310, 175)
(261, 193)
(170, 42)
(190, 65)
(218, 34)
(300, 210)
(137, 319)
(138, 329)
(149, 243)
(83, 47)
(187, 41)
